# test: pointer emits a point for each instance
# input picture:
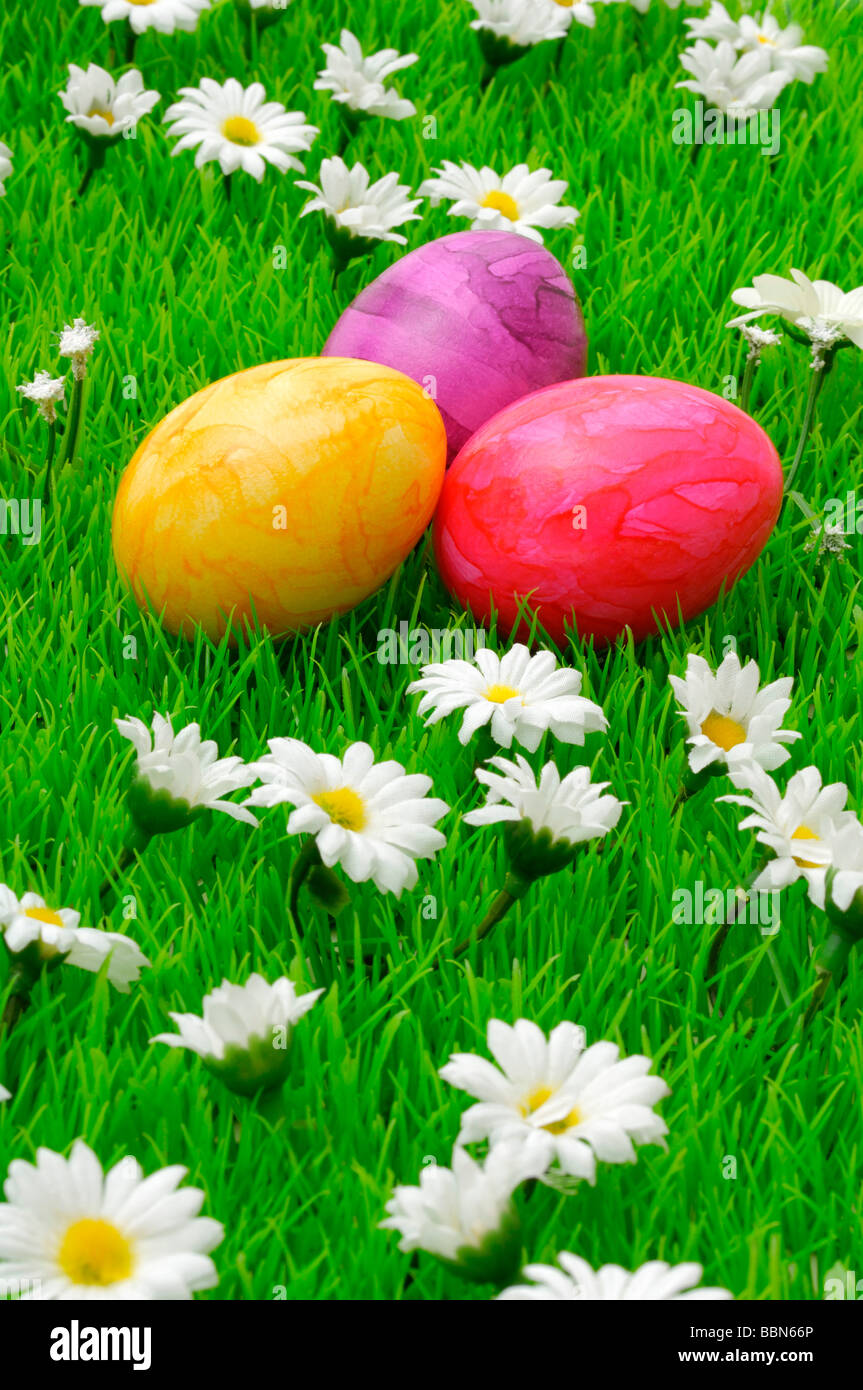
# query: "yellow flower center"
(343, 807)
(498, 694)
(142, 2)
(804, 833)
(503, 203)
(44, 914)
(241, 131)
(94, 1252)
(101, 111)
(538, 1098)
(565, 4)
(762, 38)
(724, 732)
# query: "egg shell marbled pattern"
(680, 488)
(490, 316)
(354, 452)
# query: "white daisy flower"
(521, 201)
(245, 1031)
(817, 307)
(372, 818)
(166, 16)
(46, 392)
(575, 1279)
(585, 1103)
(46, 934)
(72, 1231)
(177, 776)
(750, 34)
(521, 23)
(799, 827)
(238, 127)
(465, 1215)
(717, 25)
(77, 341)
(358, 82)
(364, 210)
(102, 107)
(738, 84)
(644, 5)
(5, 166)
(575, 11)
(571, 809)
(520, 696)
(845, 879)
(730, 720)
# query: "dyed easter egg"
(604, 501)
(479, 319)
(293, 489)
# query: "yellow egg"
(291, 490)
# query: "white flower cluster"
(239, 129)
(549, 1108)
(77, 341)
(735, 726)
(740, 66)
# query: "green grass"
(183, 286)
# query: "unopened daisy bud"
(245, 1033)
(507, 29)
(77, 341)
(179, 777)
(46, 392)
(357, 81)
(545, 820)
(4, 1094)
(465, 1215)
(358, 213)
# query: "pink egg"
(478, 319)
(605, 502)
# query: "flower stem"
(78, 427)
(136, 844)
(17, 1001)
(748, 378)
(70, 432)
(815, 385)
(304, 862)
(49, 459)
(829, 961)
(85, 182)
(131, 40)
(514, 887)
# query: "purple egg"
(479, 319)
